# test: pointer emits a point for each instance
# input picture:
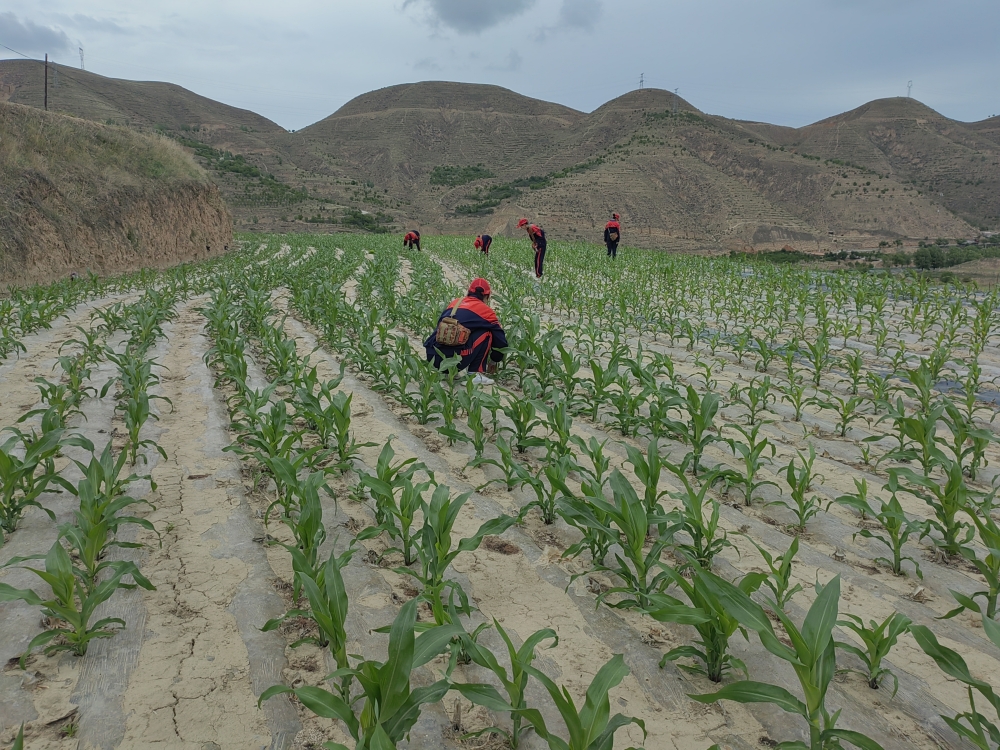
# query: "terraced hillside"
(682, 179)
(662, 430)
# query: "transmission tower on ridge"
(642, 79)
(675, 100)
(909, 87)
(81, 59)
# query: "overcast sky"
(789, 62)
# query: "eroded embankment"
(78, 196)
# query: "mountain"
(461, 158)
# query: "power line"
(16, 52)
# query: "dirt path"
(203, 662)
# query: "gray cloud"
(30, 38)
(427, 64)
(89, 23)
(510, 64)
(580, 14)
(473, 15)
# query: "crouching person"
(468, 328)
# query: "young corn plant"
(513, 684)
(794, 393)
(390, 706)
(524, 419)
(513, 472)
(811, 655)
(72, 603)
(968, 443)
(326, 595)
(752, 455)
(897, 527)
(708, 614)
(800, 481)
(982, 731)
(436, 551)
(947, 500)
(135, 412)
(24, 479)
(988, 567)
(402, 515)
(589, 728)
(387, 479)
(696, 431)
(846, 409)
(641, 571)
(591, 521)
(706, 538)
(778, 579)
(878, 640)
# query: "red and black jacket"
(485, 335)
(608, 228)
(537, 235)
(483, 243)
(412, 239)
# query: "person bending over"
(412, 240)
(537, 236)
(482, 243)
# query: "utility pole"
(81, 59)
(642, 79)
(675, 100)
(46, 81)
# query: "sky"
(787, 62)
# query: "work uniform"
(612, 236)
(483, 243)
(537, 235)
(412, 240)
(485, 336)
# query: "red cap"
(522, 223)
(480, 286)
(478, 242)
(614, 216)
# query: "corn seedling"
(589, 728)
(708, 614)
(389, 705)
(24, 479)
(971, 725)
(71, 603)
(878, 640)
(896, 526)
(327, 597)
(778, 579)
(641, 570)
(988, 567)
(751, 453)
(799, 481)
(436, 550)
(947, 500)
(811, 655)
(513, 684)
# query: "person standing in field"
(412, 239)
(537, 236)
(471, 330)
(482, 243)
(613, 235)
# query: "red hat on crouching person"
(480, 286)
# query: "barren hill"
(451, 157)
(78, 196)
